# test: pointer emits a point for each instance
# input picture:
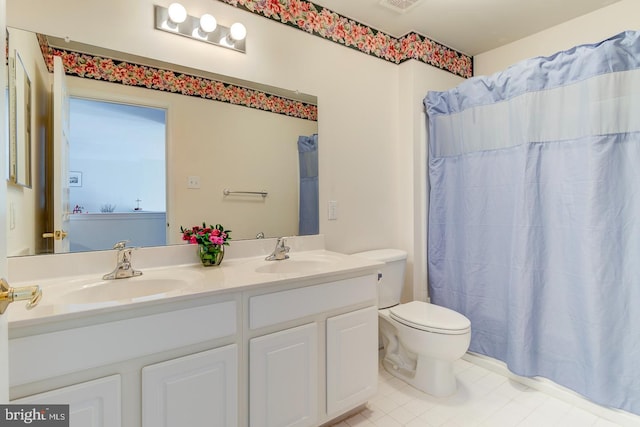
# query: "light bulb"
(238, 31)
(208, 23)
(177, 13)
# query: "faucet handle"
(121, 244)
(126, 254)
(281, 244)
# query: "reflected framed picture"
(75, 179)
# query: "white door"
(283, 378)
(352, 359)
(4, 339)
(60, 158)
(197, 390)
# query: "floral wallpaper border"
(322, 22)
(300, 14)
(130, 74)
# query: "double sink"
(74, 294)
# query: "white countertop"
(64, 296)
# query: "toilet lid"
(430, 317)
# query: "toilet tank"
(391, 277)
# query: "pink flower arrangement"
(207, 236)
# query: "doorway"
(117, 174)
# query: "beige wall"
(367, 122)
(590, 28)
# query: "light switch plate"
(333, 210)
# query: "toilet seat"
(430, 318)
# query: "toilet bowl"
(420, 341)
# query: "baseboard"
(344, 416)
(550, 388)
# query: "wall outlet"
(193, 182)
(333, 210)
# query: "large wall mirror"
(19, 122)
(259, 145)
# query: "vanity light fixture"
(237, 32)
(175, 19)
(177, 14)
(208, 24)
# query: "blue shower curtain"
(308, 157)
(534, 216)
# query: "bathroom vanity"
(249, 343)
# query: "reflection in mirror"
(19, 122)
(117, 175)
(220, 133)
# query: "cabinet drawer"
(278, 307)
(97, 345)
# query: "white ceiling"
(469, 26)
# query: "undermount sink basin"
(134, 289)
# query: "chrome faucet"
(280, 251)
(123, 269)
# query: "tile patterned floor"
(483, 399)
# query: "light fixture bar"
(190, 28)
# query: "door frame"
(4, 324)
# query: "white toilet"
(421, 340)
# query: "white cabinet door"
(197, 390)
(91, 404)
(352, 359)
(283, 378)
